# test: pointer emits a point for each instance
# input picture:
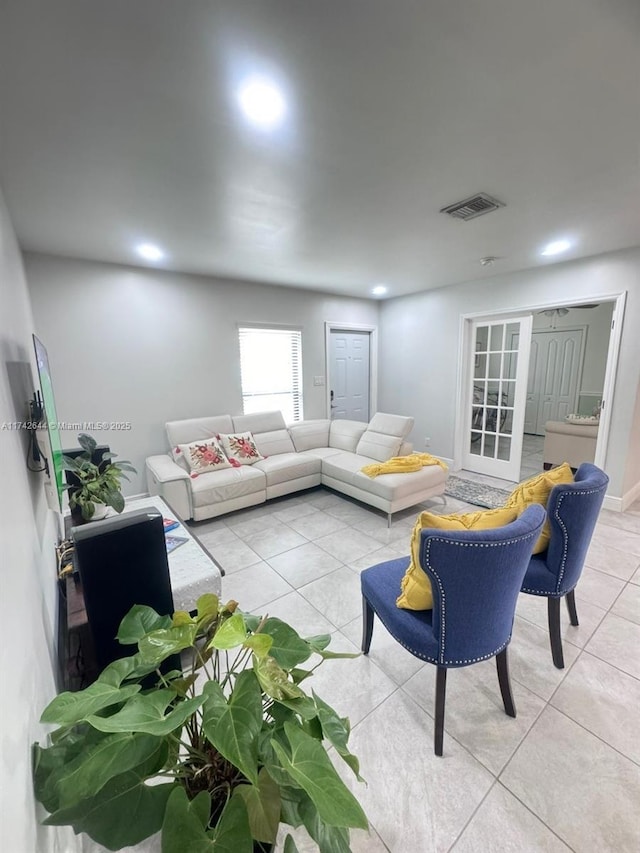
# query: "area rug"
(478, 494)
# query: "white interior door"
(555, 367)
(496, 386)
(349, 374)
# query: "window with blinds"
(271, 371)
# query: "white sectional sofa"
(303, 455)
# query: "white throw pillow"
(202, 456)
(240, 447)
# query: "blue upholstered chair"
(572, 511)
(475, 577)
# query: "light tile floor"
(564, 775)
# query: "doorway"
(596, 384)
(351, 369)
(555, 369)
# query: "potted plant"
(233, 746)
(94, 486)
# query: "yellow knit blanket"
(403, 464)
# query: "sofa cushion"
(230, 483)
(273, 443)
(284, 467)
(345, 435)
(308, 435)
(195, 429)
(202, 456)
(240, 448)
(391, 424)
(345, 467)
(259, 422)
(378, 445)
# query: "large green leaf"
(298, 809)
(231, 634)
(288, 649)
(185, 823)
(310, 766)
(274, 680)
(140, 620)
(47, 764)
(124, 668)
(161, 644)
(319, 641)
(207, 607)
(336, 730)
(146, 713)
(263, 806)
(233, 834)
(124, 812)
(330, 839)
(304, 706)
(70, 708)
(115, 754)
(260, 644)
(233, 727)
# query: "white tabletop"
(192, 571)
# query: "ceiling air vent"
(477, 205)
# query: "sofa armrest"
(167, 479)
(405, 448)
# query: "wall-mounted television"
(50, 418)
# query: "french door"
(496, 390)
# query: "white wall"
(598, 323)
(145, 346)
(28, 595)
(631, 487)
(419, 342)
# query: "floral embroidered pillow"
(241, 448)
(202, 456)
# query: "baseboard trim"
(614, 504)
(631, 496)
(623, 503)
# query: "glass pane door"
(496, 394)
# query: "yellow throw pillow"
(416, 586)
(536, 490)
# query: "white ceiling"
(118, 125)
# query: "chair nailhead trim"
(565, 545)
(442, 595)
(430, 659)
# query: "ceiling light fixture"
(557, 247)
(488, 261)
(150, 252)
(379, 290)
(262, 102)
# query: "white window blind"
(271, 371)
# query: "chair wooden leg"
(441, 689)
(553, 612)
(502, 665)
(367, 625)
(570, 598)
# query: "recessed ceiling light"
(262, 102)
(150, 252)
(555, 248)
(379, 290)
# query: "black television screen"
(50, 417)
